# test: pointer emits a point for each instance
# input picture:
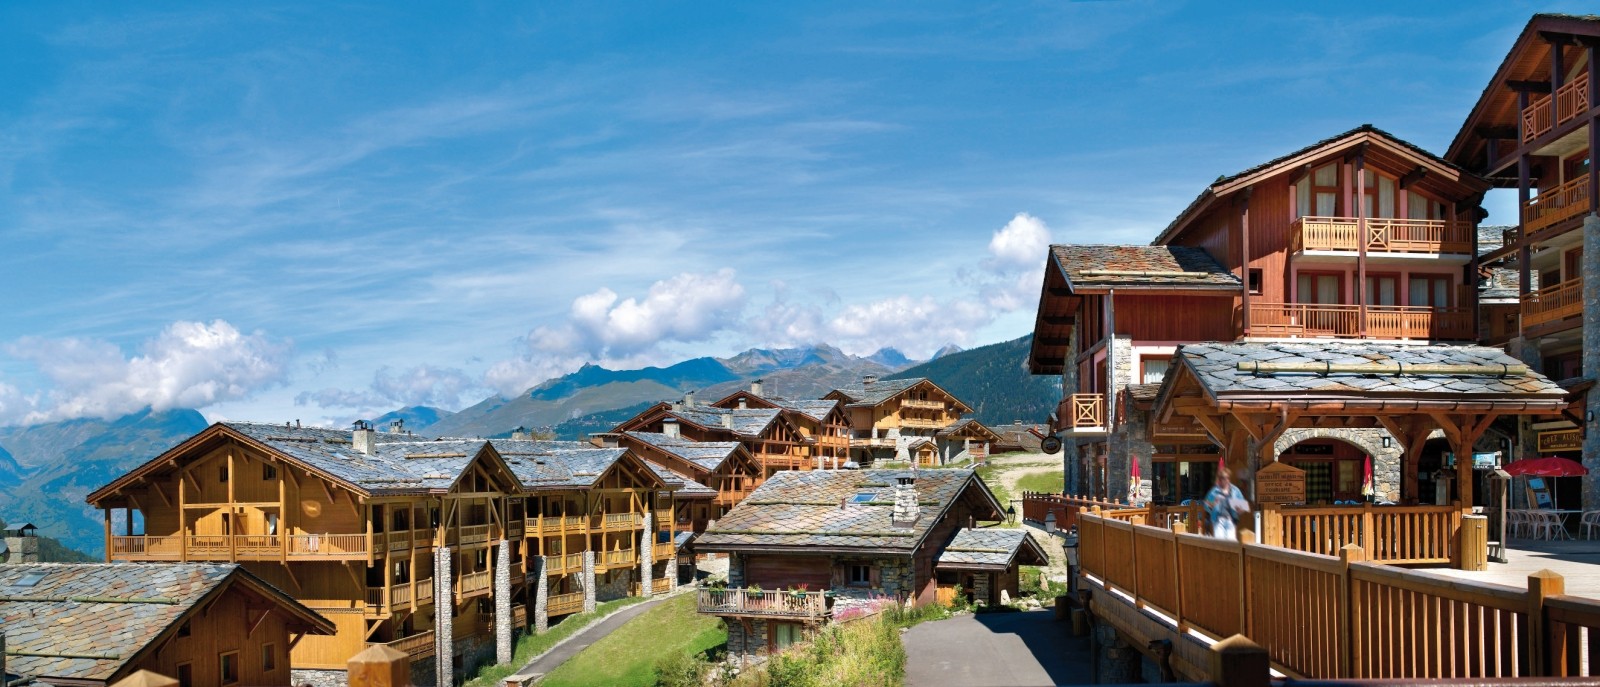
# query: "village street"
(996, 649)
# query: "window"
(185, 675)
(1326, 289)
(1318, 193)
(1381, 290)
(269, 657)
(1431, 291)
(29, 579)
(1155, 369)
(272, 523)
(785, 635)
(269, 472)
(1255, 281)
(1572, 264)
(863, 497)
(860, 575)
(228, 668)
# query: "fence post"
(1237, 662)
(1368, 537)
(1133, 554)
(1349, 553)
(1177, 579)
(381, 666)
(1542, 584)
(1244, 584)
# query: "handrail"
(562, 604)
(419, 645)
(1293, 320)
(758, 602)
(1554, 302)
(327, 544)
(1383, 234)
(1570, 101)
(1556, 205)
(1084, 410)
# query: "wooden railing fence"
(1401, 535)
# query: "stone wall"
(615, 584)
(747, 643)
(339, 678)
(1130, 441)
(1591, 351)
(980, 588)
(1385, 461)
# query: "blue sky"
(326, 210)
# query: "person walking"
(1225, 504)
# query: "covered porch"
(1247, 395)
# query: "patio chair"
(1590, 523)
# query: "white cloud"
(189, 365)
(441, 387)
(1020, 244)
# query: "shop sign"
(1561, 440)
(1282, 484)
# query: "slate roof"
(800, 509)
(57, 614)
(746, 422)
(814, 408)
(685, 485)
(399, 462)
(877, 392)
(1215, 366)
(1078, 262)
(975, 547)
(966, 424)
(557, 464)
(709, 455)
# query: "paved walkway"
(1577, 560)
(996, 649)
(539, 667)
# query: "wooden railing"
(147, 546)
(1554, 302)
(561, 565)
(1556, 205)
(419, 645)
(398, 541)
(615, 558)
(473, 582)
(1037, 507)
(1338, 320)
(424, 591)
(661, 585)
(328, 545)
(618, 521)
(1400, 535)
(1571, 100)
(924, 405)
(1082, 411)
(755, 602)
(1326, 617)
(1383, 234)
(563, 604)
(473, 534)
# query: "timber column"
(444, 606)
(541, 596)
(1591, 355)
(502, 604)
(588, 581)
(646, 548)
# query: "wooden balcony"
(1383, 235)
(1552, 303)
(617, 522)
(400, 596)
(564, 604)
(1082, 414)
(659, 585)
(1557, 205)
(922, 405)
(662, 517)
(615, 559)
(662, 552)
(146, 548)
(416, 646)
(563, 565)
(762, 603)
(1316, 320)
(470, 534)
(473, 584)
(1548, 112)
(223, 547)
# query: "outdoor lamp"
(1386, 441)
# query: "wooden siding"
(784, 572)
(1159, 317)
(229, 624)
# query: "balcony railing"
(1555, 302)
(924, 405)
(1391, 235)
(922, 423)
(661, 585)
(612, 559)
(618, 521)
(147, 547)
(1082, 411)
(1314, 320)
(328, 545)
(419, 645)
(474, 534)
(1571, 100)
(1556, 205)
(473, 583)
(765, 603)
(224, 546)
(663, 517)
(563, 604)
(562, 565)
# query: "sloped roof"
(976, 548)
(801, 510)
(686, 487)
(747, 422)
(709, 455)
(1216, 366)
(814, 408)
(968, 425)
(113, 612)
(1125, 266)
(882, 390)
(558, 464)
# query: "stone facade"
(1118, 662)
(647, 542)
(502, 603)
(1591, 351)
(1385, 461)
(614, 584)
(330, 678)
(980, 588)
(1130, 441)
(541, 595)
(588, 581)
(443, 616)
(21, 550)
(744, 642)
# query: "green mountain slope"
(994, 380)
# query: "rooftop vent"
(397, 426)
(869, 380)
(521, 434)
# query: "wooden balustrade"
(1549, 111)
(621, 521)
(374, 598)
(473, 582)
(661, 585)
(147, 547)
(1556, 205)
(400, 594)
(562, 604)
(616, 558)
(1383, 234)
(1037, 507)
(419, 645)
(1083, 411)
(424, 591)
(327, 545)
(473, 534)
(762, 603)
(1339, 616)
(1537, 119)
(1400, 535)
(398, 541)
(1294, 320)
(920, 404)
(1552, 303)
(663, 518)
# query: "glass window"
(1174, 482)
(1381, 290)
(1318, 288)
(785, 635)
(1385, 197)
(228, 667)
(1155, 369)
(860, 575)
(269, 657)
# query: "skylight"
(29, 579)
(864, 497)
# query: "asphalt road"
(996, 650)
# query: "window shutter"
(875, 574)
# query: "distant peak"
(947, 350)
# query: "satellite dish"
(1051, 445)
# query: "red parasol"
(1548, 466)
(1133, 478)
(1366, 478)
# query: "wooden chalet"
(769, 434)
(807, 545)
(898, 419)
(207, 625)
(375, 530)
(725, 468)
(821, 422)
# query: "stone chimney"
(727, 420)
(906, 510)
(363, 439)
(397, 426)
(521, 434)
(688, 398)
(869, 380)
(21, 546)
(743, 403)
(755, 387)
(605, 440)
(669, 427)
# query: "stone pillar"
(541, 595)
(1591, 355)
(502, 604)
(735, 570)
(588, 581)
(1119, 663)
(444, 606)
(646, 560)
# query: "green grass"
(991, 476)
(628, 656)
(531, 645)
(1047, 482)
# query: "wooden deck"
(1578, 561)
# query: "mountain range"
(46, 470)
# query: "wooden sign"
(1561, 440)
(1281, 483)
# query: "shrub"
(681, 670)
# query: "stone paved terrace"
(1578, 561)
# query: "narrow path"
(569, 647)
(995, 649)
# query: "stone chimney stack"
(869, 380)
(688, 398)
(22, 546)
(521, 434)
(755, 387)
(397, 426)
(727, 420)
(605, 440)
(906, 510)
(743, 404)
(669, 427)
(363, 439)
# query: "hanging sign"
(1282, 484)
(1561, 440)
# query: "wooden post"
(1541, 585)
(381, 665)
(1345, 631)
(1369, 539)
(107, 512)
(1177, 578)
(1235, 662)
(183, 518)
(230, 521)
(140, 678)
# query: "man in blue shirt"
(1225, 504)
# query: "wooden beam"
(1213, 426)
(1413, 177)
(1506, 133)
(1062, 291)
(264, 613)
(1528, 86)
(1058, 320)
